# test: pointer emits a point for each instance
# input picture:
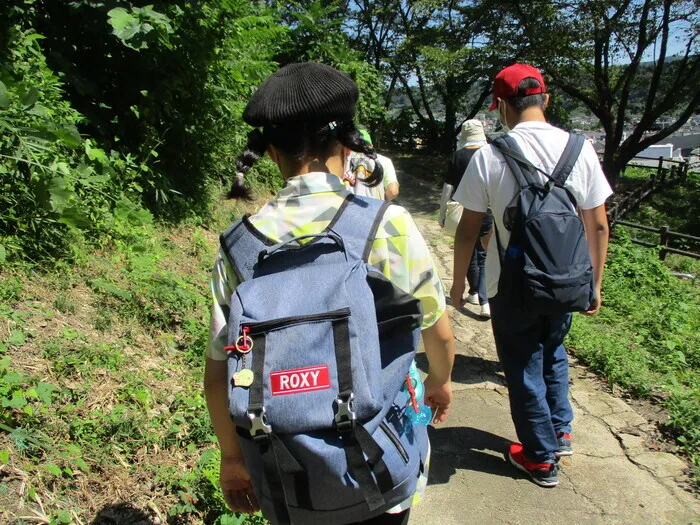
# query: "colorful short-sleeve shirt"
(306, 205)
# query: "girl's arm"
(235, 479)
(438, 340)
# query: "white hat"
(472, 131)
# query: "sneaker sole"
(564, 454)
(546, 484)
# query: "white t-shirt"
(389, 171)
(489, 183)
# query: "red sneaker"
(563, 445)
(544, 474)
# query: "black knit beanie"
(307, 91)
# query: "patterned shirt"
(306, 205)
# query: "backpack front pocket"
(301, 365)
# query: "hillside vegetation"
(101, 367)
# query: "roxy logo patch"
(300, 380)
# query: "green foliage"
(24, 400)
(128, 399)
(316, 34)
(646, 337)
(135, 28)
(185, 120)
(56, 187)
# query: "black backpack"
(546, 267)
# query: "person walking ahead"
(470, 139)
(529, 343)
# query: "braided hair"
(302, 141)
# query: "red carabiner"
(412, 393)
(241, 345)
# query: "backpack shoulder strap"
(568, 158)
(242, 243)
(515, 159)
(357, 222)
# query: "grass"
(646, 338)
(103, 414)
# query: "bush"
(55, 186)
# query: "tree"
(316, 34)
(442, 53)
(609, 53)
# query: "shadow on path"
(121, 514)
(469, 370)
(466, 448)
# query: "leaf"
(230, 519)
(16, 338)
(96, 154)
(126, 210)
(29, 98)
(39, 110)
(45, 392)
(68, 135)
(3, 254)
(4, 98)
(111, 289)
(61, 193)
(53, 469)
(4, 456)
(17, 401)
(124, 24)
(75, 217)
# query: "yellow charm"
(243, 378)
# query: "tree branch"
(414, 103)
(632, 69)
(656, 78)
(691, 108)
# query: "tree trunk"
(447, 143)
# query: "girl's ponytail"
(350, 137)
(254, 150)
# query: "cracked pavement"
(613, 477)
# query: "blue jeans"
(476, 273)
(536, 367)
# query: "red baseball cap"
(506, 83)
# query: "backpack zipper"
(284, 322)
(397, 443)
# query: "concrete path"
(613, 478)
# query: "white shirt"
(389, 171)
(489, 183)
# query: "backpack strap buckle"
(259, 429)
(345, 416)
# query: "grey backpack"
(319, 347)
(546, 267)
